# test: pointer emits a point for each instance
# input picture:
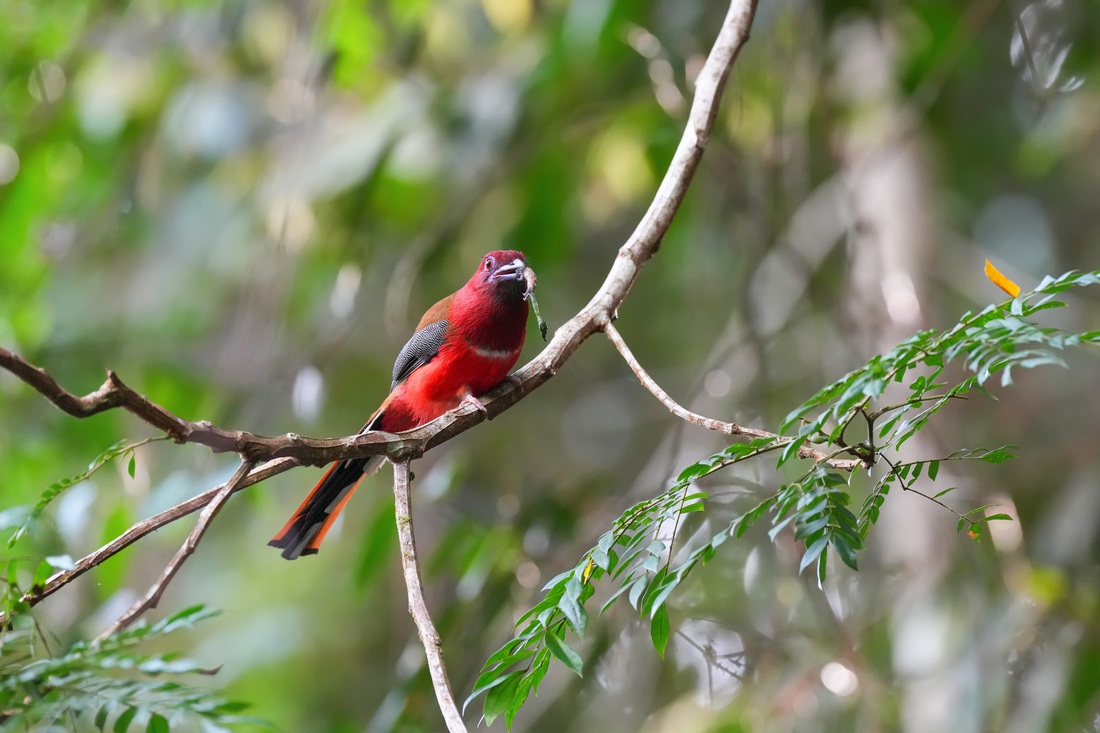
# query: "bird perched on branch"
(464, 346)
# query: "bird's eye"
(488, 263)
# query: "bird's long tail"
(303, 533)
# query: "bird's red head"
(503, 274)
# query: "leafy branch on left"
(262, 457)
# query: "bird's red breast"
(463, 347)
(480, 334)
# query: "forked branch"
(283, 452)
(153, 595)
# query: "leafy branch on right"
(862, 416)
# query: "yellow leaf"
(998, 279)
(587, 571)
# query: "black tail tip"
(288, 549)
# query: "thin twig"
(59, 580)
(915, 401)
(418, 608)
(673, 406)
(709, 423)
(906, 486)
(153, 595)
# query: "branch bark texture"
(418, 607)
(153, 595)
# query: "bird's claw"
(471, 400)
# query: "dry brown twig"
(710, 423)
(152, 596)
(153, 523)
(280, 453)
(418, 607)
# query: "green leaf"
(601, 558)
(59, 487)
(791, 450)
(846, 548)
(500, 696)
(539, 668)
(659, 630)
(692, 472)
(557, 579)
(523, 689)
(131, 467)
(903, 437)
(550, 601)
(998, 455)
(813, 552)
(779, 526)
(564, 653)
(660, 591)
(491, 678)
(873, 388)
(637, 588)
(822, 565)
(157, 724)
(41, 573)
(624, 588)
(571, 607)
(184, 619)
(122, 723)
(812, 527)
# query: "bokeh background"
(244, 206)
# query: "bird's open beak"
(512, 271)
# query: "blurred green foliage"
(109, 682)
(243, 206)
